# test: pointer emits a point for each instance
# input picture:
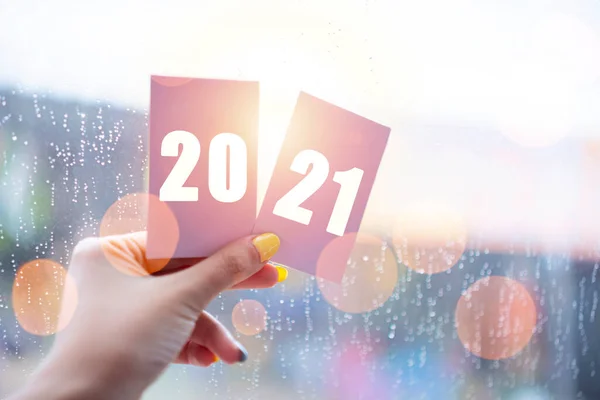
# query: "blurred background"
(476, 274)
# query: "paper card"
(320, 186)
(203, 161)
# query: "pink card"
(203, 161)
(320, 186)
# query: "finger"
(197, 285)
(130, 249)
(196, 354)
(122, 253)
(177, 264)
(268, 276)
(127, 253)
(210, 333)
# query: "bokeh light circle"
(495, 318)
(429, 238)
(44, 297)
(249, 317)
(131, 214)
(370, 274)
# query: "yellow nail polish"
(267, 245)
(282, 274)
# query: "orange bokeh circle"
(429, 239)
(44, 297)
(130, 214)
(370, 275)
(249, 317)
(495, 318)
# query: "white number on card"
(289, 205)
(223, 150)
(173, 189)
(218, 164)
(349, 183)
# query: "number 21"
(289, 205)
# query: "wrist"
(65, 378)
(44, 385)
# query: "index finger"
(268, 276)
(131, 251)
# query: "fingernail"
(243, 353)
(215, 359)
(282, 274)
(267, 245)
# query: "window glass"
(477, 274)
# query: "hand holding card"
(203, 165)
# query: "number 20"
(173, 188)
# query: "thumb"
(200, 283)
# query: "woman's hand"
(126, 329)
